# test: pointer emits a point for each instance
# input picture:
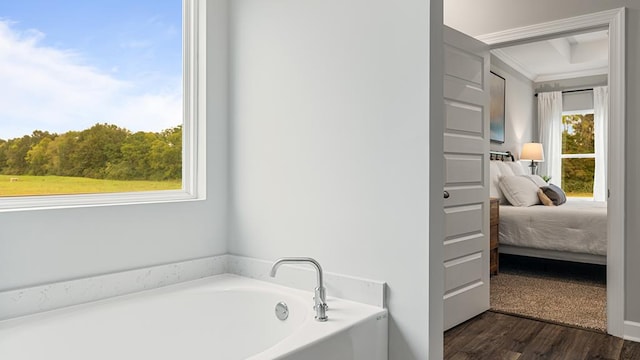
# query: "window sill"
(47, 202)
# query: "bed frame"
(553, 254)
(501, 155)
(543, 253)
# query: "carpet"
(539, 292)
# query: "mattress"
(576, 226)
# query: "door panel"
(462, 271)
(463, 244)
(463, 220)
(471, 145)
(463, 169)
(466, 148)
(464, 64)
(463, 118)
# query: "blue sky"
(68, 64)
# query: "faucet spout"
(320, 300)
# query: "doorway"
(556, 284)
(613, 21)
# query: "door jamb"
(614, 20)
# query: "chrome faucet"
(320, 298)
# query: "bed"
(574, 231)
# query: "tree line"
(103, 151)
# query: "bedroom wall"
(507, 14)
(44, 246)
(519, 108)
(330, 145)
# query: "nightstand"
(494, 216)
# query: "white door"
(466, 192)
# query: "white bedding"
(576, 226)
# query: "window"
(578, 153)
(99, 102)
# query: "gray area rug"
(572, 301)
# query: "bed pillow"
(516, 167)
(539, 181)
(505, 170)
(544, 198)
(519, 190)
(494, 180)
(554, 193)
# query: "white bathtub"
(224, 317)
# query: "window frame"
(577, 156)
(193, 128)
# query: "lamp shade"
(533, 152)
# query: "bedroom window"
(578, 153)
(98, 102)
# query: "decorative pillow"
(494, 180)
(516, 167)
(519, 190)
(539, 181)
(544, 198)
(554, 193)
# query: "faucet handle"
(320, 296)
(321, 312)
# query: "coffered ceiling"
(573, 56)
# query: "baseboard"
(632, 331)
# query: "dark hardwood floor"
(498, 336)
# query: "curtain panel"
(601, 125)
(550, 130)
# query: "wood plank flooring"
(499, 336)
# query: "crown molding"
(514, 63)
(572, 75)
(551, 28)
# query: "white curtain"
(601, 124)
(550, 132)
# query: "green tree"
(39, 158)
(3, 155)
(96, 147)
(134, 162)
(61, 154)
(166, 155)
(17, 149)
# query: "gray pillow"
(554, 193)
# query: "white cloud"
(135, 44)
(50, 89)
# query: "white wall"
(519, 108)
(330, 144)
(44, 246)
(506, 14)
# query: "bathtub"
(223, 317)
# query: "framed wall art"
(497, 86)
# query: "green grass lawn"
(62, 185)
(579, 194)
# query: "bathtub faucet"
(320, 299)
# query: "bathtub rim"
(229, 282)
